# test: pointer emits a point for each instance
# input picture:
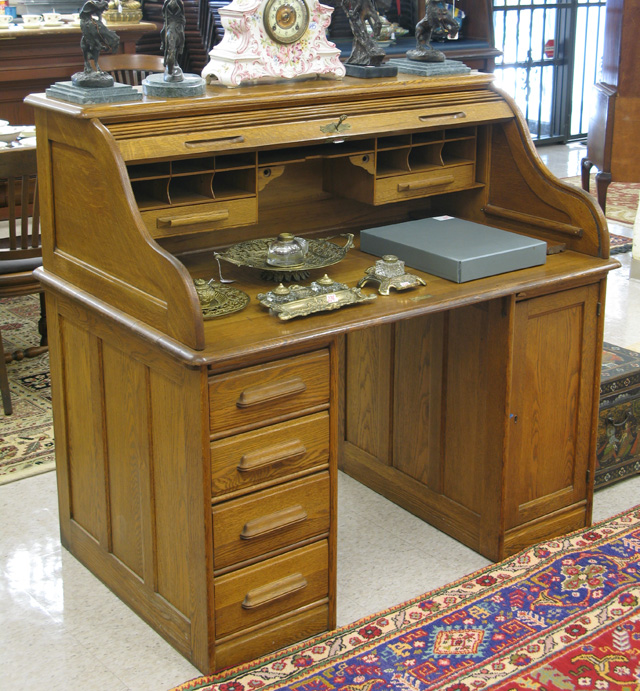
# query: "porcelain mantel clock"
(269, 40)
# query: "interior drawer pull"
(274, 521)
(287, 451)
(425, 184)
(191, 219)
(433, 116)
(214, 141)
(274, 591)
(262, 393)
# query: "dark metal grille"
(551, 57)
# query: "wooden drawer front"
(272, 636)
(253, 396)
(399, 187)
(248, 459)
(272, 588)
(273, 518)
(197, 218)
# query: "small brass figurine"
(172, 39)
(437, 20)
(96, 37)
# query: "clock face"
(286, 20)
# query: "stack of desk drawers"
(271, 490)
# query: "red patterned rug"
(563, 615)
(622, 205)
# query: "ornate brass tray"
(253, 253)
(320, 296)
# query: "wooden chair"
(131, 68)
(20, 250)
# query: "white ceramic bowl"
(9, 134)
(28, 131)
(3, 124)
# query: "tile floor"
(62, 630)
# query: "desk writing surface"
(254, 330)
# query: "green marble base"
(371, 71)
(67, 91)
(192, 85)
(430, 69)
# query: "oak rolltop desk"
(197, 459)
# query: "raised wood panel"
(418, 396)
(126, 414)
(475, 391)
(551, 410)
(178, 472)
(369, 367)
(84, 430)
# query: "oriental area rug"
(26, 437)
(562, 615)
(622, 205)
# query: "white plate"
(9, 134)
(53, 23)
(3, 145)
(28, 131)
(37, 25)
(7, 26)
(3, 124)
(28, 141)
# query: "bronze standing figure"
(172, 39)
(96, 38)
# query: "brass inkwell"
(389, 272)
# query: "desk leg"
(586, 167)
(603, 180)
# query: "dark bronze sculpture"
(172, 39)
(96, 38)
(437, 20)
(365, 50)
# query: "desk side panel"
(133, 472)
(93, 236)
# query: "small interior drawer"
(271, 588)
(252, 397)
(423, 184)
(272, 452)
(198, 218)
(273, 518)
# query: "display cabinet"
(197, 459)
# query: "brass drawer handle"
(191, 219)
(262, 393)
(258, 527)
(288, 451)
(274, 591)
(425, 184)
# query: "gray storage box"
(454, 249)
